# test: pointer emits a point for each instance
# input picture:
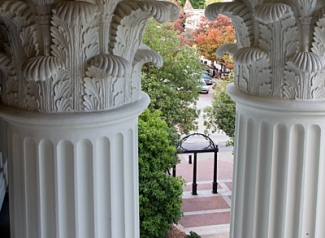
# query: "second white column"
(279, 168)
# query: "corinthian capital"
(280, 48)
(68, 56)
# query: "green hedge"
(160, 194)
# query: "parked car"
(204, 87)
(206, 79)
(224, 74)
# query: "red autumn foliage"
(212, 34)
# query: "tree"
(160, 195)
(221, 115)
(179, 24)
(173, 88)
(196, 4)
(210, 35)
(208, 2)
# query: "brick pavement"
(207, 214)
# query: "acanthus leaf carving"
(143, 55)
(94, 94)
(306, 7)
(264, 74)
(50, 95)
(60, 39)
(160, 10)
(318, 85)
(90, 39)
(11, 91)
(230, 49)
(75, 13)
(290, 37)
(307, 62)
(278, 36)
(305, 66)
(33, 95)
(101, 84)
(291, 82)
(272, 12)
(247, 56)
(318, 45)
(4, 65)
(242, 82)
(255, 62)
(18, 23)
(130, 20)
(118, 94)
(266, 36)
(49, 69)
(111, 65)
(284, 30)
(62, 95)
(45, 2)
(253, 3)
(42, 67)
(52, 52)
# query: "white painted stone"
(279, 87)
(278, 168)
(70, 77)
(67, 56)
(279, 50)
(74, 175)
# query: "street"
(219, 138)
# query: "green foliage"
(196, 4)
(221, 115)
(173, 88)
(160, 195)
(193, 235)
(208, 2)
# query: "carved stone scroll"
(72, 56)
(291, 33)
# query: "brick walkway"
(207, 214)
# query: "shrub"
(193, 235)
(160, 194)
(222, 114)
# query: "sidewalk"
(207, 214)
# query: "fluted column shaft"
(74, 175)
(279, 168)
(3, 163)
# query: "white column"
(74, 175)
(70, 90)
(278, 88)
(279, 168)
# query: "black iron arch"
(199, 146)
(199, 143)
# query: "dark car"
(224, 74)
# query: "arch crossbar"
(199, 143)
